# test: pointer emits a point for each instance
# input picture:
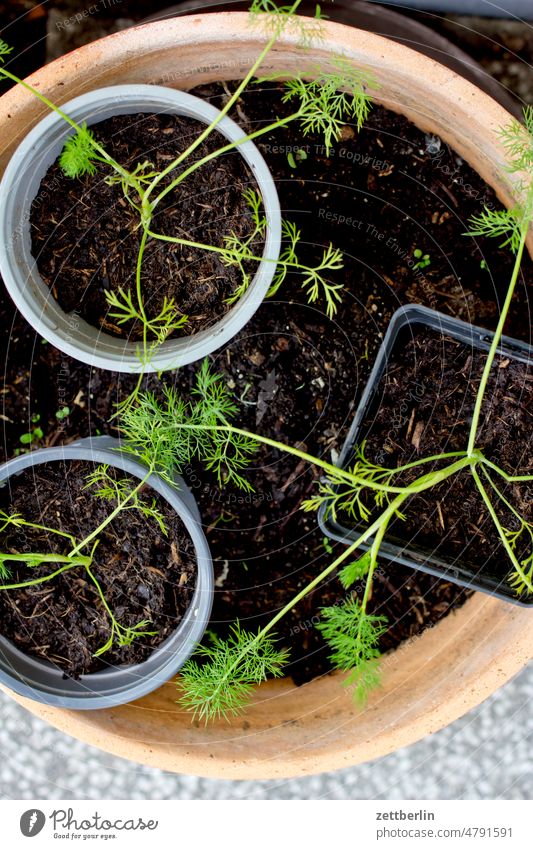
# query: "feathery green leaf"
(353, 637)
(273, 20)
(221, 684)
(5, 50)
(171, 433)
(355, 570)
(79, 154)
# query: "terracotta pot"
(382, 20)
(429, 681)
(45, 682)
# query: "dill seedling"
(175, 432)
(169, 434)
(237, 251)
(222, 685)
(353, 637)
(79, 155)
(120, 493)
(328, 100)
(323, 103)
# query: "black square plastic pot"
(404, 326)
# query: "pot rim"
(396, 549)
(20, 186)
(41, 680)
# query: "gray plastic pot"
(20, 186)
(43, 682)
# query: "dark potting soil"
(426, 402)
(144, 574)
(86, 236)
(298, 375)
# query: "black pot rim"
(408, 554)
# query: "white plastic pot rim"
(20, 186)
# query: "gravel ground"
(484, 755)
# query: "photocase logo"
(32, 822)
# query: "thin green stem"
(44, 528)
(70, 563)
(36, 556)
(138, 274)
(504, 475)
(112, 515)
(374, 551)
(332, 470)
(432, 459)
(138, 291)
(280, 122)
(494, 345)
(223, 112)
(187, 243)
(115, 624)
(122, 406)
(501, 532)
(505, 501)
(103, 153)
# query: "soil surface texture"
(86, 235)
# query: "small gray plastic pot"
(46, 683)
(20, 186)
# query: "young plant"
(118, 492)
(423, 260)
(173, 432)
(35, 434)
(322, 104)
(221, 685)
